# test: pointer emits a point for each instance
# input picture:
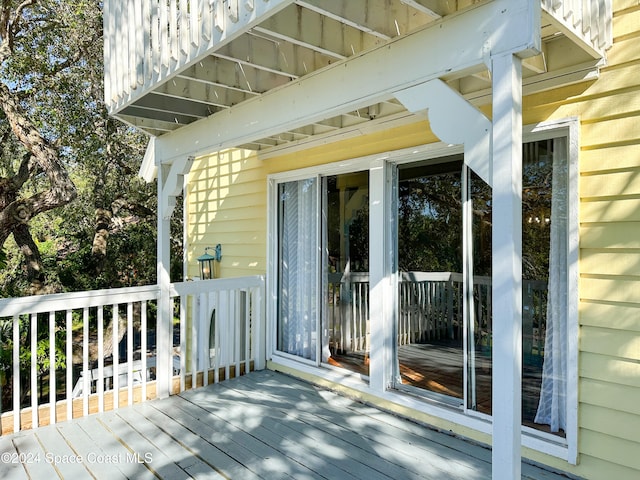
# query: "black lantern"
(206, 261)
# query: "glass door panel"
(430, 353)
(298, 268)
(479, 322)
(346, 272)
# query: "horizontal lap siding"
(226, 204)
(609, 112)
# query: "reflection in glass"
(347, 326)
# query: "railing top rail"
(70, 301)
(10, 307)
(217, 284)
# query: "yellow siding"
(227, 205)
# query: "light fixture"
(206, 261)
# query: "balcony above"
(171, 63)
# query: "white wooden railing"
(146, 41)
(587, 20)
(430, 309)
(99, 333)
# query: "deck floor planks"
(212, 455)
(99, 447)
(428, 439)
(318, 454)
(61, 452)
(172, 447)
(392, 446)
(160, 463)
(35, 462)
(292, 423)
(263, 425)
(9, 469)
(262, 459)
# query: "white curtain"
(552, 406)
(298, 267)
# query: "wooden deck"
(263, 425)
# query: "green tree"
(58, 145)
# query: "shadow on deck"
(262, 425)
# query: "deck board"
(260, 426)
(411, 455)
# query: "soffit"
(310, 35)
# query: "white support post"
(164, 322)
(507, 266)
(379, 281)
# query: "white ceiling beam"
(157, 114)
(333, 11)
(422, 8)
(455, 43)
(318, 32)
(301, 43)
(148, 124)
(235, 75)
(213, 95)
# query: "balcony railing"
(68, 355)
(169, 63)
(430, 309)
(587, 20)
(148, 40)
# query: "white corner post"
(381, 292)
(171, 181)
(164, 372)
(507, 267)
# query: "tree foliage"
(73, 214)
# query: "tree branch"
(33, 259)
(61, 191)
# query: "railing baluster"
(164, 46)
(86, 388)
(143, 348)
(100, 386)
(115, 357)
(194, 336)
(226, 345)
(174, 35)
(205, 326)
(34, 370)
(195, 9)
(147, 41)
(216, 338)
(52, 368)
(130, 353)
(185, 20)
(235, 324)
(247, 330)
(183, 340)
(69, 362)
(207, 20)
(16, 373)
(218, 15)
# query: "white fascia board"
(456, 43)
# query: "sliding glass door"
(444, 318)
(444, 273)
(298, 268)
(438, 330)
(323, 270)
